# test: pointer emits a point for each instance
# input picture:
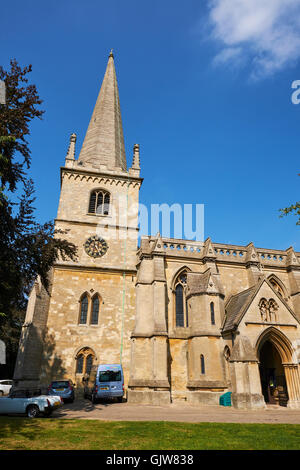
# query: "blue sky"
(205, 89)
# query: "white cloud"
(266, 32)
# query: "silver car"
(5, 386)
(62, 388)
(30, 403)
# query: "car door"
(5, 405)
(12, 405)
(16, 403)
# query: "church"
(188, 320)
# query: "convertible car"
(29, 402)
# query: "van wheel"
(33, 411)
(120, 399)
(94, 400)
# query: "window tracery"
(99, 202)
(84, 360)
(89, 309)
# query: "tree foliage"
(27, 248)
(292, 209)
(22, 101)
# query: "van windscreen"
(110, 376)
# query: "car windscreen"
(110, 376)
(62, 384)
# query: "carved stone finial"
(111, 54)
(209, 251)
(291, 259)
(136, 157)
(71, 149)
(252, 256)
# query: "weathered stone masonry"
(188, 320)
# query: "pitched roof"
(104, 140)
(238, 304)
(207, 282)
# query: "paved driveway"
(84, 409)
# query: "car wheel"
(120, 399)
(94, 399)
(33, 411)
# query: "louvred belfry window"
(99, 202)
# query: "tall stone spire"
(104, 140)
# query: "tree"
(27, 248)
(294, 208)
(21, 108)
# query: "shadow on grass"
(19, 433)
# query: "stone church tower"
(189, 320)
(90, 312)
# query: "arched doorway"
(272, 375)
(277, 359)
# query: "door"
(272, 376)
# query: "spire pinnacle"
(71, 148)
(104, 141)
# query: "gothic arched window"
(95, 310)
(99, 202)
(181, 315)
(84, 304)
(84, 360)
(89, 309)
(179, 305)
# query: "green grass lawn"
(71, 434)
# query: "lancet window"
(202, 364)
(181, 313)
(89, 309)
(212, 313)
